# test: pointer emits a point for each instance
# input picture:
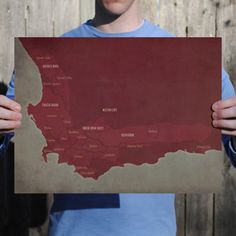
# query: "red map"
(106, 102)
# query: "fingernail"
(19, 116)
(214, 123)
(215, 106)
(214, 115)
(18, 108)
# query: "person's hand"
(224, 116)
(10, 116)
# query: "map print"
(106, 102)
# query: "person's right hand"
(10, 116)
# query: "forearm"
(2, 137)
(233, 139)
(4, 142)
(229, 145)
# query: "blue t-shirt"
(119, 214)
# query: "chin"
(116, 7)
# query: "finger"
(9, 124)
(9, 115)
(225, 113)
(227, 124)
(228, 132)
(222, 104)
(8, 103)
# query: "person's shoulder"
(157, 31)
(79, 31)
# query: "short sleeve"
(227, 87)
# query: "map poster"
(117, 115)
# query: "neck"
(110, 23)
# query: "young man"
(120, 214)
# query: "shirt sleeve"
(7, 137)
(227, 92)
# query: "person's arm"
(10, 116)
(229, 148)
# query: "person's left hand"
(224, 116)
